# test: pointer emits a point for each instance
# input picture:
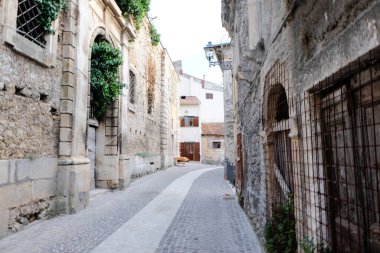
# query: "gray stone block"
(43, 189)
(12, 171)
(36, 169)
(4, 172)
(73, 185)
(4, 219)
(15, 195)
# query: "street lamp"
(215, 55)
(210, 54)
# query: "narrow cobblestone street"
(181, 209)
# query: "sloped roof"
(189, 100)
(213, 129)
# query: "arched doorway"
(102, 132)
(278, 144)
(93, 125)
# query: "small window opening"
(216, 144)
(209, 96)
(132, 87)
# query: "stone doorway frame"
(107, 131)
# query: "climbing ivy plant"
(135, 8)
(105, 84)
(154, 35)
(279, 232)
(49, 11)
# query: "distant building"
(190, 131)
(213, 143)
(200, 102)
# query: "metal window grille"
(332, 167)
(343, 157)
(132, 87)
(27, 22)
(279, 152)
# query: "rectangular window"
(132, 87)
(27, 22)
(189, 121)
(209, 96)
(216, 144)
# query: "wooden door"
(191, 150)
(91, 146)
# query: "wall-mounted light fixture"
(215, 55)
(211, 54)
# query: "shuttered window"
(189, 121)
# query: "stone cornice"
(122, 21)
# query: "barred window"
(132, 87)
(27, 22)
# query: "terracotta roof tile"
(213, 129)
(189, 100)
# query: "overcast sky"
(185, 27)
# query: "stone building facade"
(153, 121)
(213, 145)
(306, 75)
(48, 141)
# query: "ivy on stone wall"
(151, 83)
(154, 35)
(135, 8)
(279, 232)
(49, 11)
(105, 84)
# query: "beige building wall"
(212, 153)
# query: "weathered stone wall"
(29, 125)
(249, 122)
(170, 142)
(211, 155)
(144, 127)
(29, 107)
(230, 147)
(313, 39)
(27, 192)
(156, 132)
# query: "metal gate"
(350, 118)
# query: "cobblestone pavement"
(210, 221)
(205, 222)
